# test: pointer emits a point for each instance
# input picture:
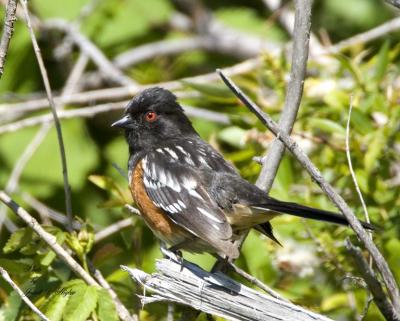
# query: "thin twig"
(353, 175)
(44, 210)
(23, 296)
(380, 297)
(7, 32)
(372, 34)
(301, 37)
(305, 161)
(113, 228)
(91, 50)
(121, 309)
(364, 312)
(113, 94)
(257, 282)
(45, 78)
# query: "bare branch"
(301, 36)
(113, 228)
(372, 34)
(8, 30)
(374, 285)
(91, 50)
(214, 293)
(57, 124)
(112, 94)
(121, 309)
(257, 282)
(23, 296)
(305, 161)
(158, 48)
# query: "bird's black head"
(154, 117)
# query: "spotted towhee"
(188, 194)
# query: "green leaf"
(327, 126)
(108, 184)
(81, 303)
(18, 239)
(351, 66)
(55, 307)
(233, 136)
(374, 151)
(382, 62)
(360, 122)
(105, 307)
(335, 301)
(212, 90)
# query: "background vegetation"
(312, 268)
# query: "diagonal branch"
(305, 161)
(374, 286)
(301, 37)
(23, 296)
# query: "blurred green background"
(313, 267)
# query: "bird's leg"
(221, 265)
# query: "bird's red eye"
(150, 116)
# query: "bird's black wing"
(173, 183)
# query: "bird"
(188, 194)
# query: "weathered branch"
(305, 161)
(8, 30)
(23, 296)
(214, 293)
(301, 37)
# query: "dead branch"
(214, 293)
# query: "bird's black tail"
(307, 212)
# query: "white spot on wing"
(195, 194)
(181, 204)
(159, 150)
(171, 152)
(209, 215)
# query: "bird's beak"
(123, 122)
